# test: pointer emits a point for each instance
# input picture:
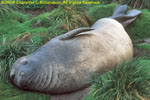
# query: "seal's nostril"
(12, 76)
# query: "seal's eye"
(24, 62)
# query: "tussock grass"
(68, 17)
(143, 46)
(9, 54)
(140, 28)
(63, 19)
(59, 21)
(4, 9)
(136, 3)
(10, 25)
(101, 11)
(132, 3)
(130, 81)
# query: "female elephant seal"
(63, 64)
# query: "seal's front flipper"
(130, 17)
(125, 23)
(74, 32)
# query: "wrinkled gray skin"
(53, 68)
(64, 63)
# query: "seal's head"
(24, 72)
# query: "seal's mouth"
(19, 84)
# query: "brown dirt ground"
(39, 11)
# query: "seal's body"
(64, 63)
(63, 66)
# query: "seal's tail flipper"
(130, 17)
(125, 19)
(119, 11)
